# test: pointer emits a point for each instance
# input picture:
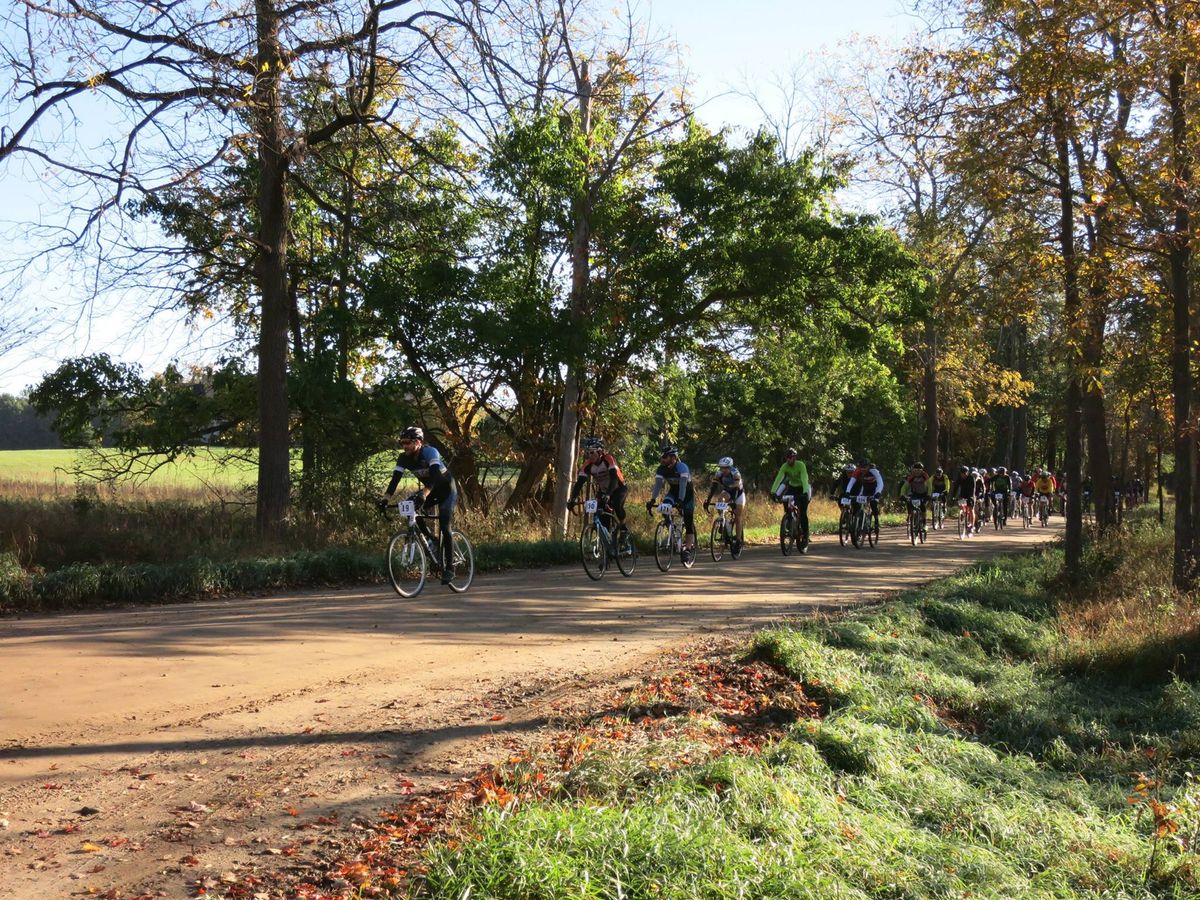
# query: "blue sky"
(726, 46)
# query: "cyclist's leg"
(802, 508)
(617, 501)
(445, 505)
(739, 516)
(689, 524)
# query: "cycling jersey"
(730, 484)
(426, 465)
(606, 473)
(793, 475)
(941, 485)
(1027, 487)
(1045, 484)
(917, 484)
(868, 481)
(966, 487)
(676, 479)
(1000, 484)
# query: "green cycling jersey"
(795, 474)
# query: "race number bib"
(590, 506)
(407, 508)
(666, 508)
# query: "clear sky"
(726, 46)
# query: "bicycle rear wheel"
(716, 541)
(844, 527)
(912, 528)
(407, 564)
(464, 562)
(664, 547)
(786, 540)
(873, 530)
(593, 552)
(626, 551)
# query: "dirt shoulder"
(142, 750)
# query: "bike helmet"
(918, 465)
(1002, 471)
(939, 471)
(991, 470)
(864, 463)
(725, 462)
(964, 470)
(790, 451)
(974, 471)
(669, 451)
(593, 443)
(412, 433)
(848, 467)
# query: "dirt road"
(152, 746)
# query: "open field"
(27, 473)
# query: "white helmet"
(725, 462)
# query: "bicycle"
(1044, 509)
(999, 511)
(864, 524)
(414, 550)
(790, 537)
(668, 540)
(937, 512)
(844, 523)
(963, 527)
(722, 536)
(1025, 505)
(603, 539)
(916, 521)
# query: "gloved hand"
(381, 504)
(649, 506)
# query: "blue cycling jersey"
(427, 466)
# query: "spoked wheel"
(716, 542)
(464, 562)
(663, 547)
(962, 523)
(786, 541)
(626, 551)
(843, 528)
(407, 565)
(873, 531)
(593, 552)
(912, 528)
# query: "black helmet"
(939, 471)
(593, 443)
(669, 450)
(412, 433)
(964, 470)
(918, 465)
(790, 451)
(864, 463)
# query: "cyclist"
(844, 479)
(1002, 484)
(792, 481)
(981, 510)
(868, 481)
(1045, 485)
(602, 468)
(964, 489)
(728, 480)
(917, 485)
(673, 475)
(1027, 489)
(941, 482)
(437, 489)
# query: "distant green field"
(58, 467)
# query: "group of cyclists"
(973, 489)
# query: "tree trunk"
(1021, 423)
(580, 276)
(530, 478)
(1180, 251)
(1073, 544)
(272, 276)
(929, 384)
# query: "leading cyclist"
(437, 489)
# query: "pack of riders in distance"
(975, 491)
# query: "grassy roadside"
(975, 737)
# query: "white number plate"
(590, 506)
(666, 508)
(407, 508)
(722, 506)
(937, 496)
(845, 501)
(998, 495)
(860, 499)
(914, 502)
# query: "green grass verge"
(956, 758)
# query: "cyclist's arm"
(713, 486)
(576, 488)
(878, 481)
(778, 480)
(659, 481)
(850, 482)
(396, 475)
(685, 479)
(905, 488)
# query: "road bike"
(723, 537)
(1025, 506)
(964, 527)
(603, 539)
(1043, 507)
(937, 512)
(791, 536)
(414, 550)
(668, 540)
(845, 521)
(999, 510)
(916, 521)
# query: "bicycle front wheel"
(873, 530)
(593, 552)
(664, 547)
(464, 563)
(626, 551)
(407, 564)
(912, 528)
(785, 535)
(843, 527)
(716, 541)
